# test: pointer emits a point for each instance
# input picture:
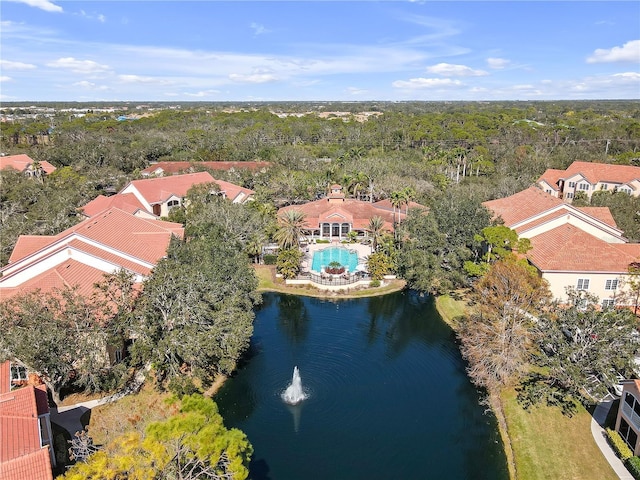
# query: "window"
(608, 302)
(583, 186)
(583, 284)
(611, 284)
(572, 184)
(604, 186)
(569, 195)
(18, 373)
(173, 203)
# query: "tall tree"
(193, 444)
(498, 340)
(375, 230)
(291, 226)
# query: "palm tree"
(397, 199)
(292, 223)
(375, 230)
(408, 195)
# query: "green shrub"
(322, 240)
(270, 259)
(374, 283)
(633, 465)
(619, 446)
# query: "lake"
(388, 396)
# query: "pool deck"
(363, 250)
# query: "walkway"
(600, 436)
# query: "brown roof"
(125, 201)
(522, 205)
(22, 162)
(21, 454)
(178, 167)
(603, 172)
(568, 248)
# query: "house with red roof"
(333, 217)
(160, 169)
(80, 256)
(24, 163)
(159, 195)
(127, 202)
(589, 177)
(571, 247)
(26, 450)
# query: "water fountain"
(294, 393)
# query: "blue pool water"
(322, 258)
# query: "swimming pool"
(322, 258)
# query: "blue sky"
(326, 50)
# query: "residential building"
(160, 169)
(590, 177)
(333, 217)
(159, 195)
(24, 163)
(26, 439)
(127, 202)
(81, 255)
(573, 247)
(628, 419)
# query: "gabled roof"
(568, 248)
(158, 190)
(124, 201)
(22, 162)
(522, 205)
(79, 255)
(162, 168)
(603, 172)
(551, 176)
(232, 191)
(21, 454)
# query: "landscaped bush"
(270, 259)
(633, 465)
(374, 283)
(322, 240)
(619, 446)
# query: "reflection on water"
(389, 397)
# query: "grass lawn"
(548, 445)
(449, 308)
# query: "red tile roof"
(5, 377)
(178, 167)
(601, 213)
(158, 190)
(551, 176)
(356, 212)
(603, 172)
(568, 248)
(21, 163)
(522, 205)
(21, 454)
(125, 201)
(114, 236)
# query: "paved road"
(600, 436)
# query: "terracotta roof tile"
(127, 202)
(551, 176)
(5, 376)
(601, 213)
(177, 167)
(21, 162)
(27, 244)
(33, 466)
(157, 190)
(603, 172)
(567, 248)
(522, 205)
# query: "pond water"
(387, 394)
(345, 257)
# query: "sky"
(318, 50)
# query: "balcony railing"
(335, 280)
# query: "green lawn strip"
(450, 308)
(548, 445)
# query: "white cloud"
(42, 4)
(4, 78)
(629, 52)
(78, 66)
(9, 65)
(203, 93)
(419, 83)
(92, 16)
(259, 29)
(448, 69)
(356, 91)
(89, 86)
(497, 63)
(253, 78)
(139, 79)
